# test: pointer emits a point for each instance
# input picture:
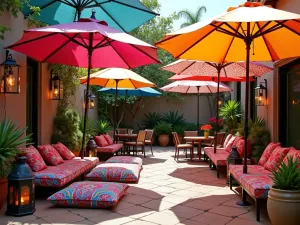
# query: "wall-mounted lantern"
(9, 76)
(261, 94)
(56, 87)
(91, 100)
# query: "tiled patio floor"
(168, 193)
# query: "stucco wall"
(16, 103)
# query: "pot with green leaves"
(284, 197)
(163, 130)
(11, 138)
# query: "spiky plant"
(174, 118)
(231, 113)
(103, 126)
(11, 138)
(287, 176)
(151, 119)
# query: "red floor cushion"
(110, 149)
(115, 172)
(276, 157)
(50, 155)
(295, 154)
(108, 139)
(89, 194)
(101, 141)
(125, 159)
(267, 152)
(64, 152)
(34, 159)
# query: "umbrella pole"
(198, 99)
(115, 111)
(217, 110)
(90, 52)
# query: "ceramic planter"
(163, 140)
(3, 192)
(284, 207)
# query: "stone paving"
(168, 193)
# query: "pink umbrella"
(87, 43)
(196, 87)
(200, 70)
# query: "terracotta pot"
(3, 192)
(206, 134)
(76, 153)
(180, 137)
(163, 140)
(284, 207)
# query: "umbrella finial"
(93, 16)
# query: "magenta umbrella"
(87, 43)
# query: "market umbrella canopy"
(140, 92)
(120, 14)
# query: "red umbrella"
(200, 70)
(87, 43)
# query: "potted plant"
(11, 138)
(206, 128)
(231, 113)
(163, 130)
(284, 196)
(180, 132)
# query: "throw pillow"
(295, 154)
(267, 152)
(230, 143)
(101, 141)
(34, 159)
(227, 139)
(50, 155)
(108, 139)
(88, 194)
(64, 151)
(276, 157)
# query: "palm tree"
(190, 17)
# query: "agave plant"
(103, 126)
(90, 128)
(231, 114)
(287, 176)
(174, 118)
(151, 120)
(11, 138)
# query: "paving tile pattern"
(168, 193)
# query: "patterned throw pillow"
(108, 139)
(125, 159)
(115, 172)
(230, 143)
(240, 147)
(267, 152)
(34, 159)
(101, 141)
(64, 152)
(50, 155)
(88, 194)
(227, 140)
(276, 158)
(295, 154)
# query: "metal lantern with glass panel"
(261, 94)
(20, 198)
(91, 101)
(10, 76)
(56, 88)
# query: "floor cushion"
(267, 152)
(295, 154)
(64, 152)
(125, 159)
(110, 149)
(115, 172)
(276, 158)
(50, 155)
(108, 139)
(101, 141)
(34, 159)
(89, 194)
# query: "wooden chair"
(121, 131)
(148, 140)
(140, 142)
(179, 146)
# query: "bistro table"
(199, 140)
(129, 137)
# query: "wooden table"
(199, 140)
(129, 137)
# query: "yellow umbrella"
(251, 31)
(117, 78)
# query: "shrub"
(191, 127)
(151, 120)
(163, 128)
(90, 128)
(174, 118)
(179, 129)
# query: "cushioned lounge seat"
(110, 148)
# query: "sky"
(214, 7)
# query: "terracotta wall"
(16, 104)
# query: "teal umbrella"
(120, 14)
(144, 92)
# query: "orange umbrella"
(268, 34)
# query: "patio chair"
(179, 146)
(140, 142)
(148, 140)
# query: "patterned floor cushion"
(115, 172)
(110, 148)
(62, 174)
(125, 159)
(89, 194)
(257, 181)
